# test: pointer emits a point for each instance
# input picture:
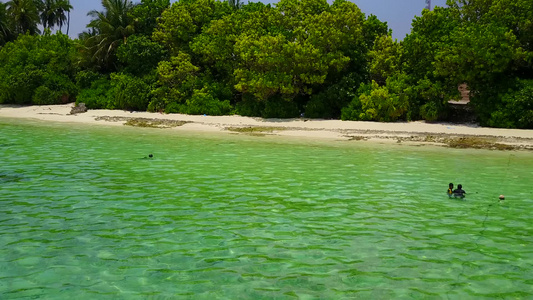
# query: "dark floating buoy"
(502, 197)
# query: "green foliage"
(373, 29)
(177, 79)
(429, 32)
(171, 108)
(480, 42)
(45, 96)
(269, 60)
(57, 88)
(250, 107)
(145, 15)
(517, 16)
(324, 105)
(24, 15)
(328, 103)
(296, 11)
(53, 13)
(111, 28)
(19, 84)
(5, 26)
(430, 111)
(311, 45)
(202, 102)
(129, 93)
(182, 90)
(428, 99)
(353, 110)
(280, 108)
(84, 79)
(516, 108)
(98, 96)
(184, 20)
(385, 59)
(214, 47)
(488, 49)
(140, 55)
(274, 108)
(178, 71)
(378, 104)
(266, 71)
(478, 53)
(120, 91)
(34, 61)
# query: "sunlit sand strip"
(459, 136)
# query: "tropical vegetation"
(293, 58)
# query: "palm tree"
(236, 4)
(53, 13)
(48, 14)
(113, 26)
(5, 29)
(24, 15)
(68, 18)
(62, 6)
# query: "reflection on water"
(247, 217)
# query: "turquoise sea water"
(83, 215)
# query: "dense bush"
(377, 103)
(249, 107)
(174, 108)
(99, 95)
(162, 100)
(44, 96)
(56, 88)
(44, 63)
(273, 108)
(202, 102)
(85, 79)
(6, 30)
(176, 81)
(280, 108)
(146, 14)
(329, 103)
(121, 91)
(516, 109)
(129, 92)
(140, 55)
(18, 85)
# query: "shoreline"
(418, 133)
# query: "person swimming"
(450, 190)
(459, 192)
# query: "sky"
(397, 13)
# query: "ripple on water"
(250, 218)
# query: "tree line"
(297, 56)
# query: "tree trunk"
(68, 22)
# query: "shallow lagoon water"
(84, 215)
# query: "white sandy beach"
(411, 132)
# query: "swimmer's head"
(451, 185)
(150, 155)
(502, 197)
(460, 186)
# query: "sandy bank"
(453, 135)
